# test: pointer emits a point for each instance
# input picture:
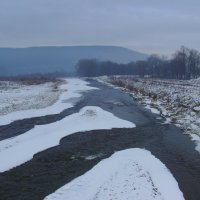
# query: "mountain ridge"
(47, 59)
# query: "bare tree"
(193, 63)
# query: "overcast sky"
(150, 26)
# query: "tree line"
(184, 64)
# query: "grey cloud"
(149, 26)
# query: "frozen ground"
(17, 150)
(126, 175)
(19, 101)
(16, 96)
(177, 101)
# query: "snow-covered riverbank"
(128, 174)
(177, 101)
(19, 101)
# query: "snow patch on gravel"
(126, 175)
(17, 150)
(92, 157)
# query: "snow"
(15, 96)
(195, 81)
(153, 110)
(167, 121)
(71, 89)
(126, 175)
(176, 100)
(196, 139)
(91, 157)
(15, 151)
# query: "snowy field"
(42, 137)
(177, 101)
(15, 96)
(132, 174)
(19, 101)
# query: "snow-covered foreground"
(132, 174)
(177, 101)
(21, 102)
(17, 150)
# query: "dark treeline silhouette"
(185, 64)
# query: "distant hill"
(17, 61)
